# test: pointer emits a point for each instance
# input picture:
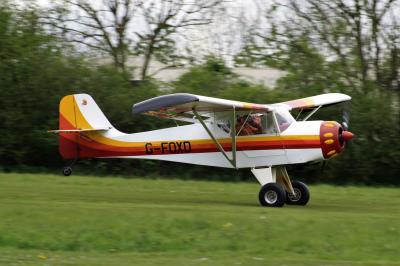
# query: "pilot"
(250, 127)
(255, 122)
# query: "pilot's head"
(256, 118)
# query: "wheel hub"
(296, 196)
(271, 197)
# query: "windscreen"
(284, 119)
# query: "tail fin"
(78, 113)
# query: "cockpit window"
(225, 125)
(284, 119)
(255, 124)
(270, 128)
(250, 124)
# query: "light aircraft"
(221, 133)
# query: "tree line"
(335, 46)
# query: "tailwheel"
(301, 196)
(272, 195)
(67, 171)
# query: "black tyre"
(272, 195)
(67, 171)
(302, 194)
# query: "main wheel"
(301, 196)
(272, 195)
(67, 171)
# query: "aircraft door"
(266, 147)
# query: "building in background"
(261, 75)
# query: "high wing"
(315, 101)
(180, 106)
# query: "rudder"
(78, 112)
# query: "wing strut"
(216, 142)
(312, 112)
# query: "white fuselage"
(297, 144)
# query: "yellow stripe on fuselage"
(96, 136)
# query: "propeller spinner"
(333, 138)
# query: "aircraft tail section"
(79, 117)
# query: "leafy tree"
(324, 47)
(36, 71)
(129, 27)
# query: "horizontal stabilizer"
(77, 130)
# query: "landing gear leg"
(301, 194)
(277, 189)
(297, 193)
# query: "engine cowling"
(333, 138)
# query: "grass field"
(53, 220)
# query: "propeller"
(345, 116)
(344, 134)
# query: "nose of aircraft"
(333, 138)
(347, 135)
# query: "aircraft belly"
(304, 155)
(256, 158)
(218, 160)
(264, 153)
(208, 158)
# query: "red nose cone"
(347, 135)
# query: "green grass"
(54, 220)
